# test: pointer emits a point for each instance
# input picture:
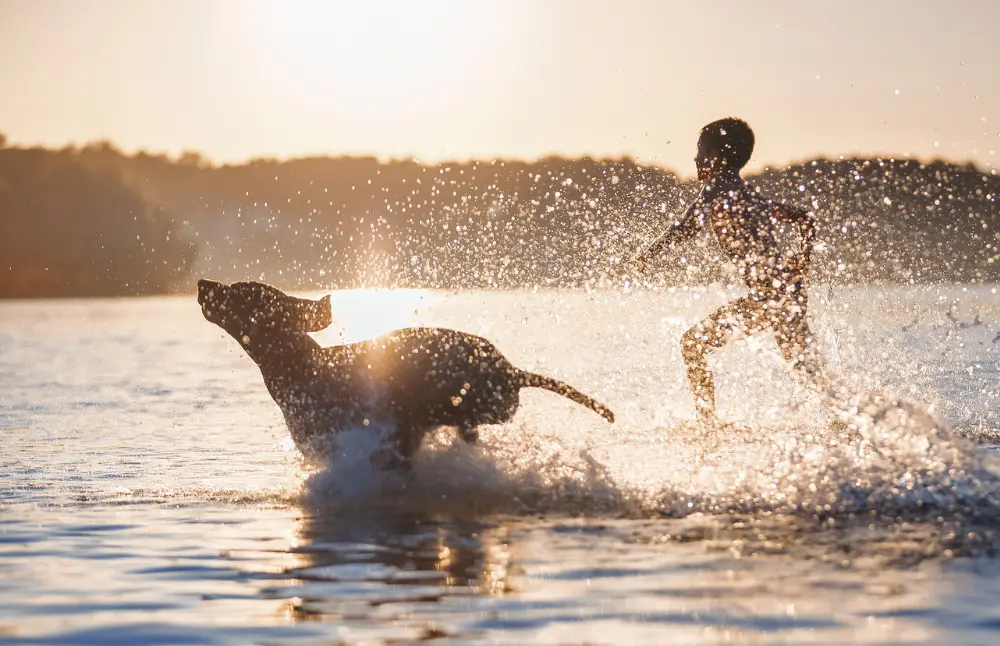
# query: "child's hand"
(805, 260)
(637, 264)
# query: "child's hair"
(732, 138)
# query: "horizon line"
(215, 162)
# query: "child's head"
(724, 143)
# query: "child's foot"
(722, 431)
(709, 420)
(838, 426)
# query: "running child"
(745, 223)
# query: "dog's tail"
(532, 380)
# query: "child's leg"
(714, 332)
(794, 338)
(797, 347)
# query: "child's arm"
(680, 231)
(806, 223)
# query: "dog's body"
(414, 380)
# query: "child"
(744, 222)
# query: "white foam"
(891, 457)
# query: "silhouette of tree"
(323, 222)
(66, 229)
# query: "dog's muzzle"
(210, 294)
(209, 290)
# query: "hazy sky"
(511, 78)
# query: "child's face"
(707, 161)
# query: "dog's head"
(249, 310)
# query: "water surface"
(149, 493)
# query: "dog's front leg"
(389, 458)
(469, 433)
(396, 454)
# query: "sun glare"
(413, 54)
(360, 314)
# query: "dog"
(412, 380)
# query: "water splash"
(887, 461)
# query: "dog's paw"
(469, 435)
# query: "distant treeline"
(94, 221)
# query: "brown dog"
(415, 379)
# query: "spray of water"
(887, 462)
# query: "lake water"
(149, 493)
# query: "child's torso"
(744, 223)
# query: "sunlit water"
(149, 494)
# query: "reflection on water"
(349, 567)
(230, 573)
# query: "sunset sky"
(502, 78)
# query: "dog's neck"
(276, 352)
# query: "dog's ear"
(318, 315)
